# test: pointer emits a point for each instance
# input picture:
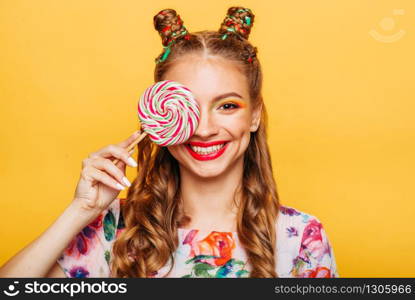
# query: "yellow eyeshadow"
(241, 104)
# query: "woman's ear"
(256, 118)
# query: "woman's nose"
(207, 126)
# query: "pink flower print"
(312, 241)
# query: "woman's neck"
(209, 202)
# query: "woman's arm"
(100, 182)
(38, 259)
(56, 272)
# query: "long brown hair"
(153, 209)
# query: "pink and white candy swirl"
(168, 112)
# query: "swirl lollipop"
(168, 113)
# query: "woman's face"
(226, 115)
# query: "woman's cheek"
(175, 151)
(238, 123)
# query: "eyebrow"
(226, 95)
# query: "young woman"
(206, 208)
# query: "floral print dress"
(303, 249)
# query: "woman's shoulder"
(303, 246)
(290, 227)
(289, 216)
(295, 225)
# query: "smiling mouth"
(206, 152)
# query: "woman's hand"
(101, 180)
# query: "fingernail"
(120, 187)
(132, 162)
(126, 181)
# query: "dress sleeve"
(315, 257)
(89, 252)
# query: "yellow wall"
(341, 105)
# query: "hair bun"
(169, 25)
(238, 21)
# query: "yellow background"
(341, 106)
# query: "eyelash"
(230, 103)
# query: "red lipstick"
(209, 156)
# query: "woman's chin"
(207, 173)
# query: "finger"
(109, 167)
(120, 164)
(130, 139)
(123, 144)
(117, 152)
(104, 178)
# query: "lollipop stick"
(132, 145)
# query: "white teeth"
(206, 150)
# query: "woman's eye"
(228, 106)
